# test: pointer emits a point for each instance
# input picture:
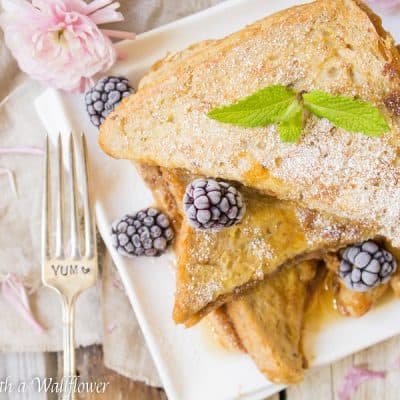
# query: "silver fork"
(68, 271)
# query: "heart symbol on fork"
(85, 270)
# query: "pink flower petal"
(395, 364)
(15, 294)
(385, 5)
(97, 4)
(58, 42)
(22, 150)
(121, 55)
(11, 179)
(119, 34)
(354, 378)
(111, 327)
(107, 14)
(117, 284)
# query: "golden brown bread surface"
(356, 304)
(332, 45)
(265, 322)
(224, 330)
(215, 267)
(395, 284)
(269, 321)
(166, 192)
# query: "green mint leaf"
(262, 108)
(347, 113)
(291, 124)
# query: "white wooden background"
(321, 384)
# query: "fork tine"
(74, 213)
(60, 201)
(45, 204)
(89, 235)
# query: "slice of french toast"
(265, 322)
(337, 46)
(269, 322)
(214, 267)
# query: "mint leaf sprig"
(344, 112)
(280, 105)
(262, 108)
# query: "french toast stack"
(305, 201)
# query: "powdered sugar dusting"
(323, 228)
(338, 167)
(272, 234)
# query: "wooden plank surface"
(90, 368)
(24, 367)
(321, 383)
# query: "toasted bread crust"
(162, 192)
(269, 323)
(224, 330)
(337, 46)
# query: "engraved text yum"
(66, 270)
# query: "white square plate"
(190, 366)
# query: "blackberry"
(366, 265)
(211, 204)
(102, 98)
(146, 233)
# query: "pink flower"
(386, 5)
(58, 42)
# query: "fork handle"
(69, 373)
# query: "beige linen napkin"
(124, 347)
(20, 234)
